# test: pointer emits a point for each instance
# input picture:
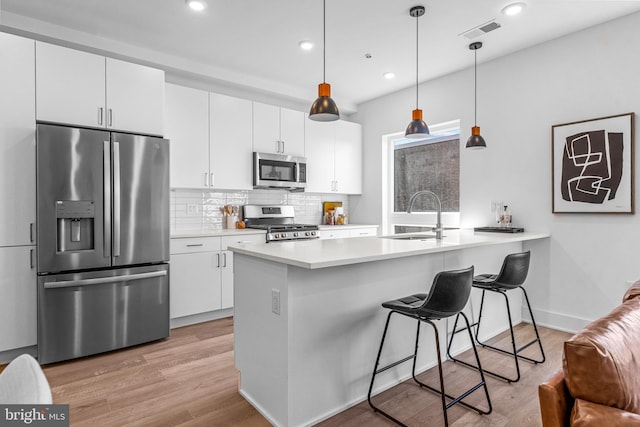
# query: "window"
(432, 163)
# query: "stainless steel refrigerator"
(103, 241)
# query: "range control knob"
(295, 234)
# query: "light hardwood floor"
(189, 379)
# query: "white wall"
(581, 273)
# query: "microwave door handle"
(106, 191)
(116, 199)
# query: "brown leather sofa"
(599, 383)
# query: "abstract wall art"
(592, 165)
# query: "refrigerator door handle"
(106, 168)
(101, 280)
(116, 199)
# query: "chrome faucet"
(412, 200)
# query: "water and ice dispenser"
(75, 225)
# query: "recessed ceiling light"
(389, 75)
(305, 45)
(514, 8)
(197, 5)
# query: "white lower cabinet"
(202, 273)
(18, 305)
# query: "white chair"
(23, 382)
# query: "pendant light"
(417, 128)
(475, 141)
(324, 108)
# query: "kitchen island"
(308, 316)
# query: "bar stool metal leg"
(443, 395)
(515, 351)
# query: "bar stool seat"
(513, 274)
(447, 297)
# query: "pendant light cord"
(475, 87)
(324, 41)
(417, 17)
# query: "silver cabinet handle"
(106, 187)
(31, 259)
(116, 199)
(218, 258)
(31, 232)
(110, 117)
(336, 186)
(195, 245)
(100, 280)
(277, 146)
(100, 115)
(224, 259)
(211, 180)
(206, 179)
(282, 147)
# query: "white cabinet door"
(334, 234)
(319, 149)
(18, 304)
(186, 122)
(292, 132)
(363, 232)
(195, 283)
(348, 158)
(266, 128)
(230, 142)
(69, 86)
(135, 97)
(227, 279)
(17, 141)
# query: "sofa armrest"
(555, 401)
(589, 414)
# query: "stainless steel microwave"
(279, 171)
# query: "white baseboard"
(179, 322)
(553, 320)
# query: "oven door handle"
(101, 280)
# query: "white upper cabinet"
(348, 158)
(230, 142)
(17, 141)
(135, 97)
(278, 130)
(319, 147)
(334, 157)
(69, 86)
(84, 89)
(186, 124)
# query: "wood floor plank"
(189, 380)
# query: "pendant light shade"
(475, 141)
(324, 108)
(417, 128)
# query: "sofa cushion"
(601, 363)
(589, 414)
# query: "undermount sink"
(411, 237)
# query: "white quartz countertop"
(346, 226)
(312, 254)
(217, 233)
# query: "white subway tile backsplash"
(208, 206)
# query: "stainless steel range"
(279, 222)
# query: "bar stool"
(448, 296)
(512, 275)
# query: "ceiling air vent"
(481, 29)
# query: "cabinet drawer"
(248, 238)
(194, 244)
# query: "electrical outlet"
(496, 205)
(192, 209)
(275, 301)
